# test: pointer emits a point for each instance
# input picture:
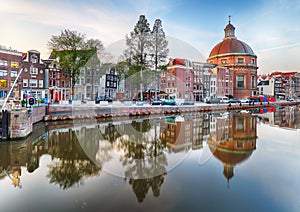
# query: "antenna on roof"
(229, 17)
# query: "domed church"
(238, 56)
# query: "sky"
(270, 27)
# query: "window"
(223, 61)
(187, 85)
(3, 83)
(14, 64)
(41, 83)
(34, 59)
(240, 60)
(33, 83)
(239, 144)
(96, 88)
(240, 123)
(3, 63)
(25, 83)
(13, 74)
(88, 91)
(253, 80)
(240, 81)
(63, 83)
(3, 73)
(34, 70)
(253, 61)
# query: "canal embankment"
(69, 112)
(18, 124)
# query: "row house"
(297, 85)
(94, 82)
(33, 76)
(222, 82)
(196, 80)
(202, 80)
(279, 84)
(88, 85)
(28, 68)
(10, 66)
(44, 79)
(267, 86)
(178, 79)
(58, 82)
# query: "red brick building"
(59, 82)
(33, 76)
(10, 65)
(178, 79)
(236, 145)
(224, 84)
(239, 57)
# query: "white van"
(224, 99)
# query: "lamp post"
(31, 69)
(141, 84)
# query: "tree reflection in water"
(70, 164)
(144, 160)
(133, 146)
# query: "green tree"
(159, 45)
(72, 51)
(146, 49)
(159, 50)
(138, 46)
(138, 43)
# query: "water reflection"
(141, 151)
(233, 140)
(70, 164)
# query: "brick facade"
(238, 56)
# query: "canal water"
(219, 161)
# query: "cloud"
(279, 47)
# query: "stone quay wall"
(57, 113)
(21, 121)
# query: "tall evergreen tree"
(138, 46)
(159, 45)
(138, 43)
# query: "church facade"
(239, 57)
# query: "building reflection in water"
(233, 141)
(142, 147)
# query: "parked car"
(224, 99)
(234, 100)
(254, 99)
(244, 100)
(169, 101)
(103, 98)
(156, 101)
(213, 101)
(187, 102)
(290, 99)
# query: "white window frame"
(34, 70)
(25, 83)
(41, 83)
(33, 83)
